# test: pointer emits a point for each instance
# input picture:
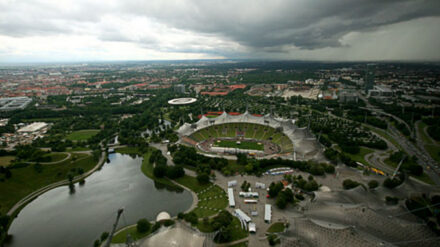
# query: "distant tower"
(179, 88)
(369, 78)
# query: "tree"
(241, 159)
(143, 225)
(350, 184)
(104, 236)
(174, 172)
(203, 178)
(311, 185)
(159, 171)
(373, 184)
(281, 202)
(275, 188)
(191, 218)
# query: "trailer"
(248, 194)
(250, 201)
(231, 197)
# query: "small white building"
(231, 197)
(232, 183)
(267, 213)
(259, 185)
(252, 228)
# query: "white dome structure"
(163, 216)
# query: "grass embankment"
(241, 145)
(27, 179)
(146, 167)
(6, 160)
(360, 157)
(121, 237)
(421, 129)
(56, 157)
(276, 227)
(424, 177)
(434, 152)
(211, 197)
(81, 135)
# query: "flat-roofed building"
(231, 197)
(32, 127)
(267, 213)
(242, 215)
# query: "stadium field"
(241, 145)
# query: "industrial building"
(32, 127)
(14, 103)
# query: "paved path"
(52, 162)
(46, 188)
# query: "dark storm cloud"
(231, 28)
(306, 24)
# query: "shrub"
(203, 178)
(159, 171)
(373, 184)
(143, 225)
(329, 169)
(350, 184)
(104, 236)
(391, 200)
(191, 218)
(392, 183)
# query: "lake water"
(61, 218)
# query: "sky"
(330, 30)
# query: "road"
(429, 165)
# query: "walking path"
(46, 188)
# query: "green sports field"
(241, 145)
(247, 130)
(81, 135)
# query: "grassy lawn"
(121, 237)
(434, 151)
(147, 169)
(359, 157)
(276, 227)
(55, 157)
(76, 149)
(81, 135)
(6, 160)
(212, 198)
(238, 233)
(128, 150)
(26, 179)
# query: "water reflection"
(61, 218)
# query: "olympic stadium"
(260, 136)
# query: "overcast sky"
(85, 30)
